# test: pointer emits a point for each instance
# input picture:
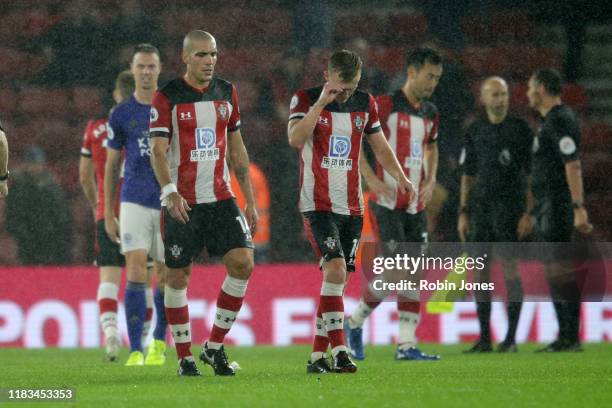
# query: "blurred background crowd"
(59, 60)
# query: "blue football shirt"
(129, 130)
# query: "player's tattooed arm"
(111, 181)
(239, 160)
(386, 157)
(373, 183)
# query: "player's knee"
(178, 278)
(334, 270)
(241, 268)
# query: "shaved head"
(196, 36)
(493, 83)
(495, 98)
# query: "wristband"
(167, 190)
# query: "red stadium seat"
(390, 60)
(8, 101)
(247, 95)
(406, 27)
(87, 101)
(575, 96)
(44, 101)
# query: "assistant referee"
(558, 199)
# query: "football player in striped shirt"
(327, 124)
(195, 130)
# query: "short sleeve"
(373, 125)
(567, 138)
(468, 160)
(385, 106)
(234, 120)
(161, 114)
(115, 136)
(299, 105)
(432, 136)
(86, 144)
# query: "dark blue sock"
(135, 312)
(160, 311)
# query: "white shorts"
(140, 229)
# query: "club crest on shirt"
(205, 142)
(222, 110)
(338, 155)
(358, 123)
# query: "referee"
(496, 162)
(558, 198)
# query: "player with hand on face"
(327, 124)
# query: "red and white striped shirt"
(407, 129)
(197, 123)
(329, 164)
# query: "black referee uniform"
(557, 142)
(498, 156)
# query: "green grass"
(275, 376)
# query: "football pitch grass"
(276, 377)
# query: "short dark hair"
(419, 56)
(146, 48)
(346, 63)
(550, 79)
(125, 83)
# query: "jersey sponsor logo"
(206, 139)
(154, 114)
(185, 116)
(415, 160)
(144, 144)
(339, 150)
(567, 145)
(504, 157)
(294, 102)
